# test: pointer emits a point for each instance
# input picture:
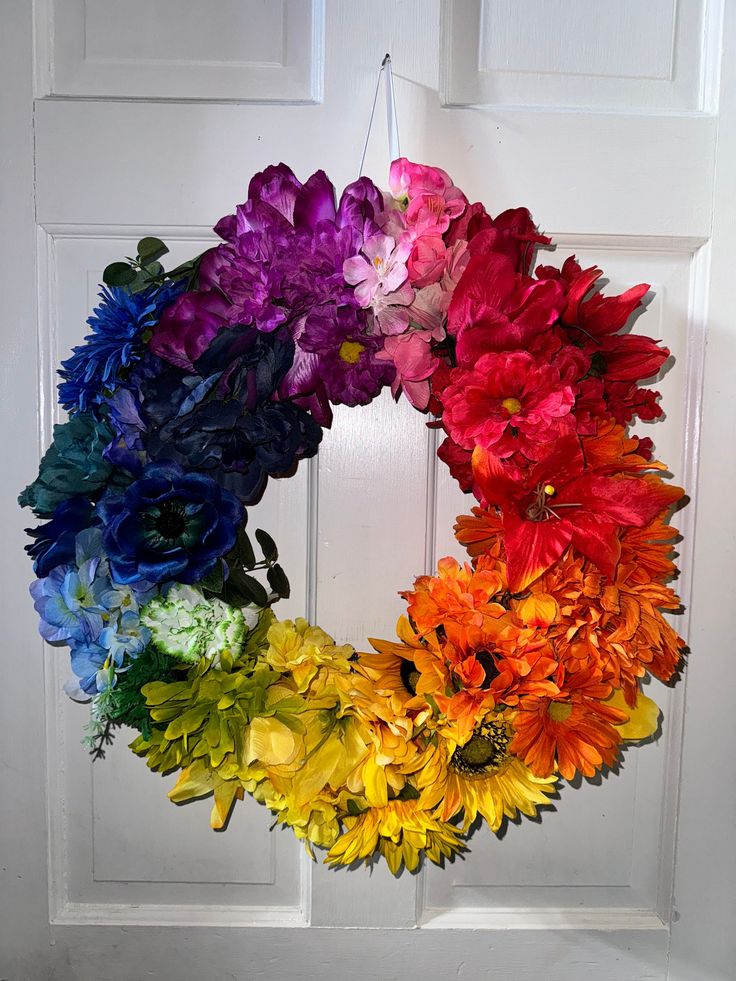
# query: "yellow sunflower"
(400, 831)
(481, 777)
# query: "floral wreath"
(510, 672)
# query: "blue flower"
(80, 605)
(67, 602)
(54, 541)
(225, 419)
(168, 525)
(118, 323)
(96, 663)
(77, 600)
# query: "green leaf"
(214, 582)
(268, 545)
(278, 582)
(247, 555)
(118, 274)
(150, 249)
(152, 270)
(354, 808)
(252, 590)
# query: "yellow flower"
(401, 831)
(198, 780)
(300, 649)
(481, 777)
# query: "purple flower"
(347, 364)
(281, 267)
(187, 327)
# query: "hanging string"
(394, 149)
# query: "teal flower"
(73, 464)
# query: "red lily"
(561, 503)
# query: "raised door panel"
(584, 54)
(235, 50)
(118, 847)
(607, 854)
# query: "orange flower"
(574, 736)
(458, 593)
(480, 532)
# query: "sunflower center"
(488, 663)
(559, 711)
(485, 751)
(512, 406)
(350, 351)
(409, 675)
(171, 522)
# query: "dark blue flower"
(223, 420)
(116, 342)
(168, 525)
(54, 541)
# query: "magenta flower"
(187, 328)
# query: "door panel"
(605, 126)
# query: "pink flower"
(407, 180)
(432, 201)
(427, 261)
(415, 362)
(380, 277)
(432, 213)
(429, 310)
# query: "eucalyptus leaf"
(153, 270)
(252, 590)
(213, 582)
(118, 274)
(247, 554)
(268, 545)
(150, 249)
(278, 581)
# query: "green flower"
(73, 464)
(188, 626)
(206, 716)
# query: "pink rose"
(427, 261)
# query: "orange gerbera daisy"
(572, 734)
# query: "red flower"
(493, 309)
(459, 462)
(507, 401)
(560, 503)
(616, 360)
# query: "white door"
(613, 122)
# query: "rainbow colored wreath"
(198, 384)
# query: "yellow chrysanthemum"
(300, 649)
(401, 831)
(481, 777)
